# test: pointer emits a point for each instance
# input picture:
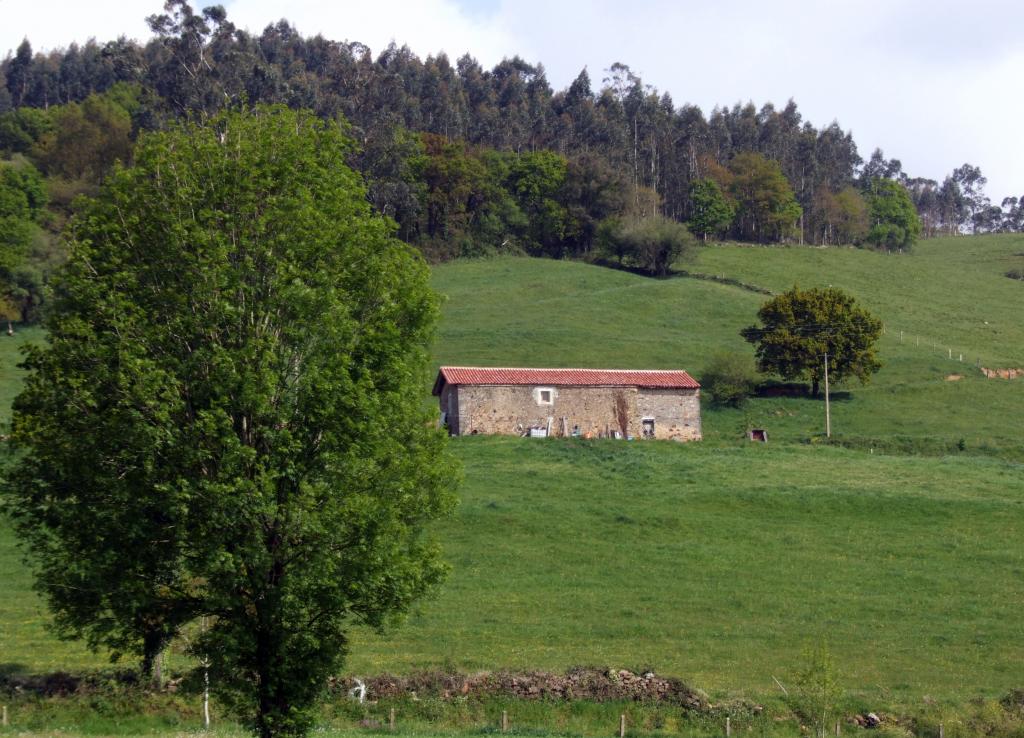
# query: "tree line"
(468, 160)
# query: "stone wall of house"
(449, 401)
(594, 411)
(675, 412)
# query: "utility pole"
(828, 414)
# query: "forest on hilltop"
(466, 160)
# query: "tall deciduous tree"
(225, 420)
(798, 327)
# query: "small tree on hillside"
(895, 224)
(730, 378)
(713, 212)
(798, 327)
(816, 689)
(651, 244)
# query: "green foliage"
(816, 691)
(729, 378)
(21, 128)
(843, 216)
(799, 327)
(652, 244)
(86, 139)
(535, 179)
(23, 198)
(895, 224)
(225, 420)
(712, 212)
(766, 208)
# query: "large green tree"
(798, 327)
(225, 420)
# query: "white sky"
(935, 83)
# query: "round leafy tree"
(798, 327)
(895, 224)
(226, 418)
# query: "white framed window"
(544, 395)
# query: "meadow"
(720, 562)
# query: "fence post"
(942, 731)
(504, 721)
(622, 726)
(5, 716)
(391, 720)
(728, 727)
(838, 731)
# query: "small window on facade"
(544, 395)
(648, 427)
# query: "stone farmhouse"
(592, 403)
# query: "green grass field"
(719, 562)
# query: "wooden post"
(728, 728)
(901, 336)
(838, 731)
(828, 412)
(391, 720)
(622, 726)
(942, 732)
(5, 715)
(504, 721)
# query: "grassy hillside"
(546, 313)
(721, 564)
(720, 561)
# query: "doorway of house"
(648, 427)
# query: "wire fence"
(956, 354)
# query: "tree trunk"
(814, 386)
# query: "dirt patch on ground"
(1002, 373)
(954, 377)
(598, 685)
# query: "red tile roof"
(648, 378)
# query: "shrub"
(651, 244)
(730, 378)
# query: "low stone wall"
(598, 685)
